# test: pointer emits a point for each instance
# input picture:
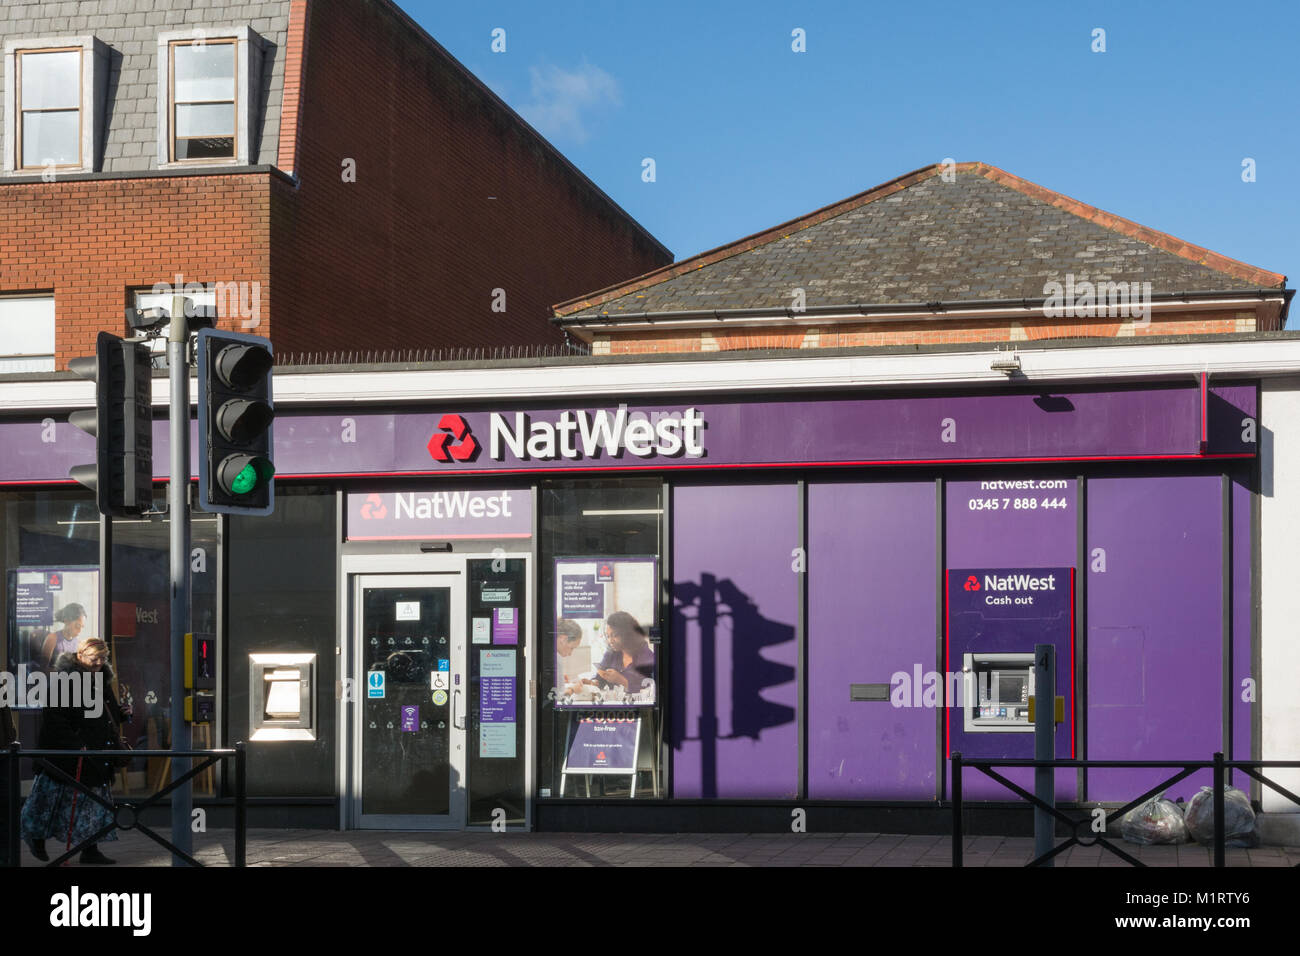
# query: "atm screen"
(1011, 689)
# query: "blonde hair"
(93, 644)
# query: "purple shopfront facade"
(805, 547)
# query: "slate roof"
(983, 235)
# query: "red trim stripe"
(947, 711)
(432, 536)
(1072, 616)
(866, 463)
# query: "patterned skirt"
(48, 812)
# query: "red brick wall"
(928, 332)
(91, 242)
(408, 256)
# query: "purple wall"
(1011, 537)
(1155, 645)
(735, 606)
(871, 612)
(1241, 629)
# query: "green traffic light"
(241, 475)
(245, 481)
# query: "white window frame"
(94, 82)
(248, 87)
(41, 361)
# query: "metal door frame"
(359, 571)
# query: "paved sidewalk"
(388, 848)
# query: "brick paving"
(361, 848)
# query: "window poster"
(51, 610)
(606, 613)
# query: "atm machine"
(1002, 685)
(995, 618)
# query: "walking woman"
(56, 810)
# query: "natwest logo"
(972, 583)
(1017, 582)
(374, 508)
(442, 448)
(582, 434)
(574, 436)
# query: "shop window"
(27, 333)
(207, 82)
(54, 90)
(49, 553)
(601, 721)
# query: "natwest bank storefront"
(701, 593)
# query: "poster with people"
(606, 616)
(50, 611)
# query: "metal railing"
(125, 814)
(1185, 769)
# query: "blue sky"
(746, 133)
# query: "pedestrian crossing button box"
(282, 696)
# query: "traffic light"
(236, 409)
(122, 423)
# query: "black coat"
(68, 728)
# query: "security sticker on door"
(375, 684)
(408, 610)
(440, 697)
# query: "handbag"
(124, 761)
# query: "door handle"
(459, 724)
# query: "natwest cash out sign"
(443, 515)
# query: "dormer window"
(49, 108)
(209, 92)
(53, 109)
(203, 100)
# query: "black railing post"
(13, 800)
(241, 803)
(1220, 837)
(956, 810)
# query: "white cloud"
(560, 98)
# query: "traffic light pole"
(178, 511)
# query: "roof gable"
(981, 234)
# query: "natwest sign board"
(1161, 421)
(441, 515)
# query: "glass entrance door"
(410, 702)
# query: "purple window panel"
(871, 613)
(984, 536)
(1155, 641)
(735, 606)
(1242, 554)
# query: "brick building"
(962, 253)
(326, 172)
